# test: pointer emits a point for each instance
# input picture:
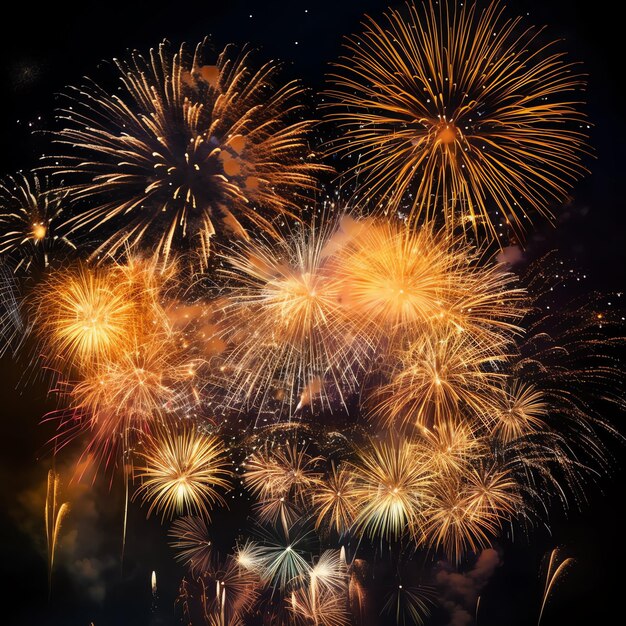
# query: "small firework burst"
(184, 471)
(30, 216)
(190, 539)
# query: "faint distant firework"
(183, 150)
(459, 113)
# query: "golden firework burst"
(184, 471)
(459, 110)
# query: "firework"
(221, 596)
(392, 489)
(324, 609)
(329, 572)
(250, 556)
(286, 322)
(85, 316)
(183, 471)
(523, 412)
(282, 556)
(334, 501)
(401, 281)
(119, 401)
(452, 446)
(183, 150)
(466, 512)
(408, 605)
(443, 375)
(459, 110)
(30, 212)
(12, 326)
(54, 516)
(190, 539)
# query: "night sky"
(46, 47)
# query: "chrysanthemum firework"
(183, 470)
(334, 500)
(443, 377)
(282, 478)
(190, 539)
(467, 511)
(286, 324)
(392, 490)
(460, 111)
(183, 150)
(86, 316)
(396, 280)
(30, 216)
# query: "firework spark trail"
(203, 146)
(54, 515)
(461, 112)
(553, 575)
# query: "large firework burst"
(461, 111)
(185, 149)
(286, 322)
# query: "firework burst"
(184, 150)
(183, 471)
(459, 110)
(334, 501)
(286, 322)
(30, 215)
(393, 483)
(190, 539)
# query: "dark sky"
(46, 47)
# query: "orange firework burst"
(334, 500)
(522, 411)
(443, 377)
(459, 110)
(281, 477)
(203, 146)
(121, 399)
(396, 280)
(183, 471)
(30, 212)
(90, 316)
(84, 316)
(467, 510)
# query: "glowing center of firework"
(181, 491)
(446, 133)
(39, 231)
